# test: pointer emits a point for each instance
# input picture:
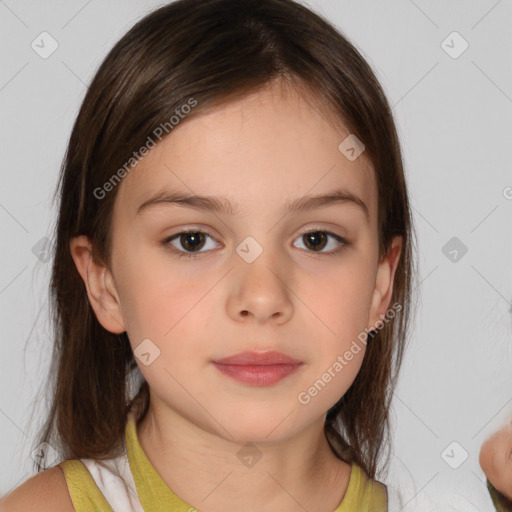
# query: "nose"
(260, 292)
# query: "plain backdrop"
(453, 108)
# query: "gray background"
(454, 118)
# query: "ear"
(101, 289)
(383, 288)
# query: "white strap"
(395, 499)
(115, 481)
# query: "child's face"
(259, 153)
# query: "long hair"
(211, 51)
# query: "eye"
(190, 240)
(318, 240)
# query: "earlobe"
(99, 284)
(384, 281)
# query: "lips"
(253, 358)
(258, 368)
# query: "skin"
(496, 460)
(259, 152)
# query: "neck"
(208, 471)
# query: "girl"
(232, 275)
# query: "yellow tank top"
(131, 483)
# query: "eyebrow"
(223, 205)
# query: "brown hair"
(213, 51)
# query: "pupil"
(315, 236)
(196, 240)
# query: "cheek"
(496, 460)
(163, 322)
(157, 299)
(339, 301)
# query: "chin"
(260, 428)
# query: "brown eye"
(191, 242)
(317, 240)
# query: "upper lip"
(251, 357)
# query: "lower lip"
(258, 375)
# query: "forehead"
(261, 151)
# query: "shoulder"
(371, 492)
(46, 491)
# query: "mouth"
(258, 368)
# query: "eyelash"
(183, 254)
